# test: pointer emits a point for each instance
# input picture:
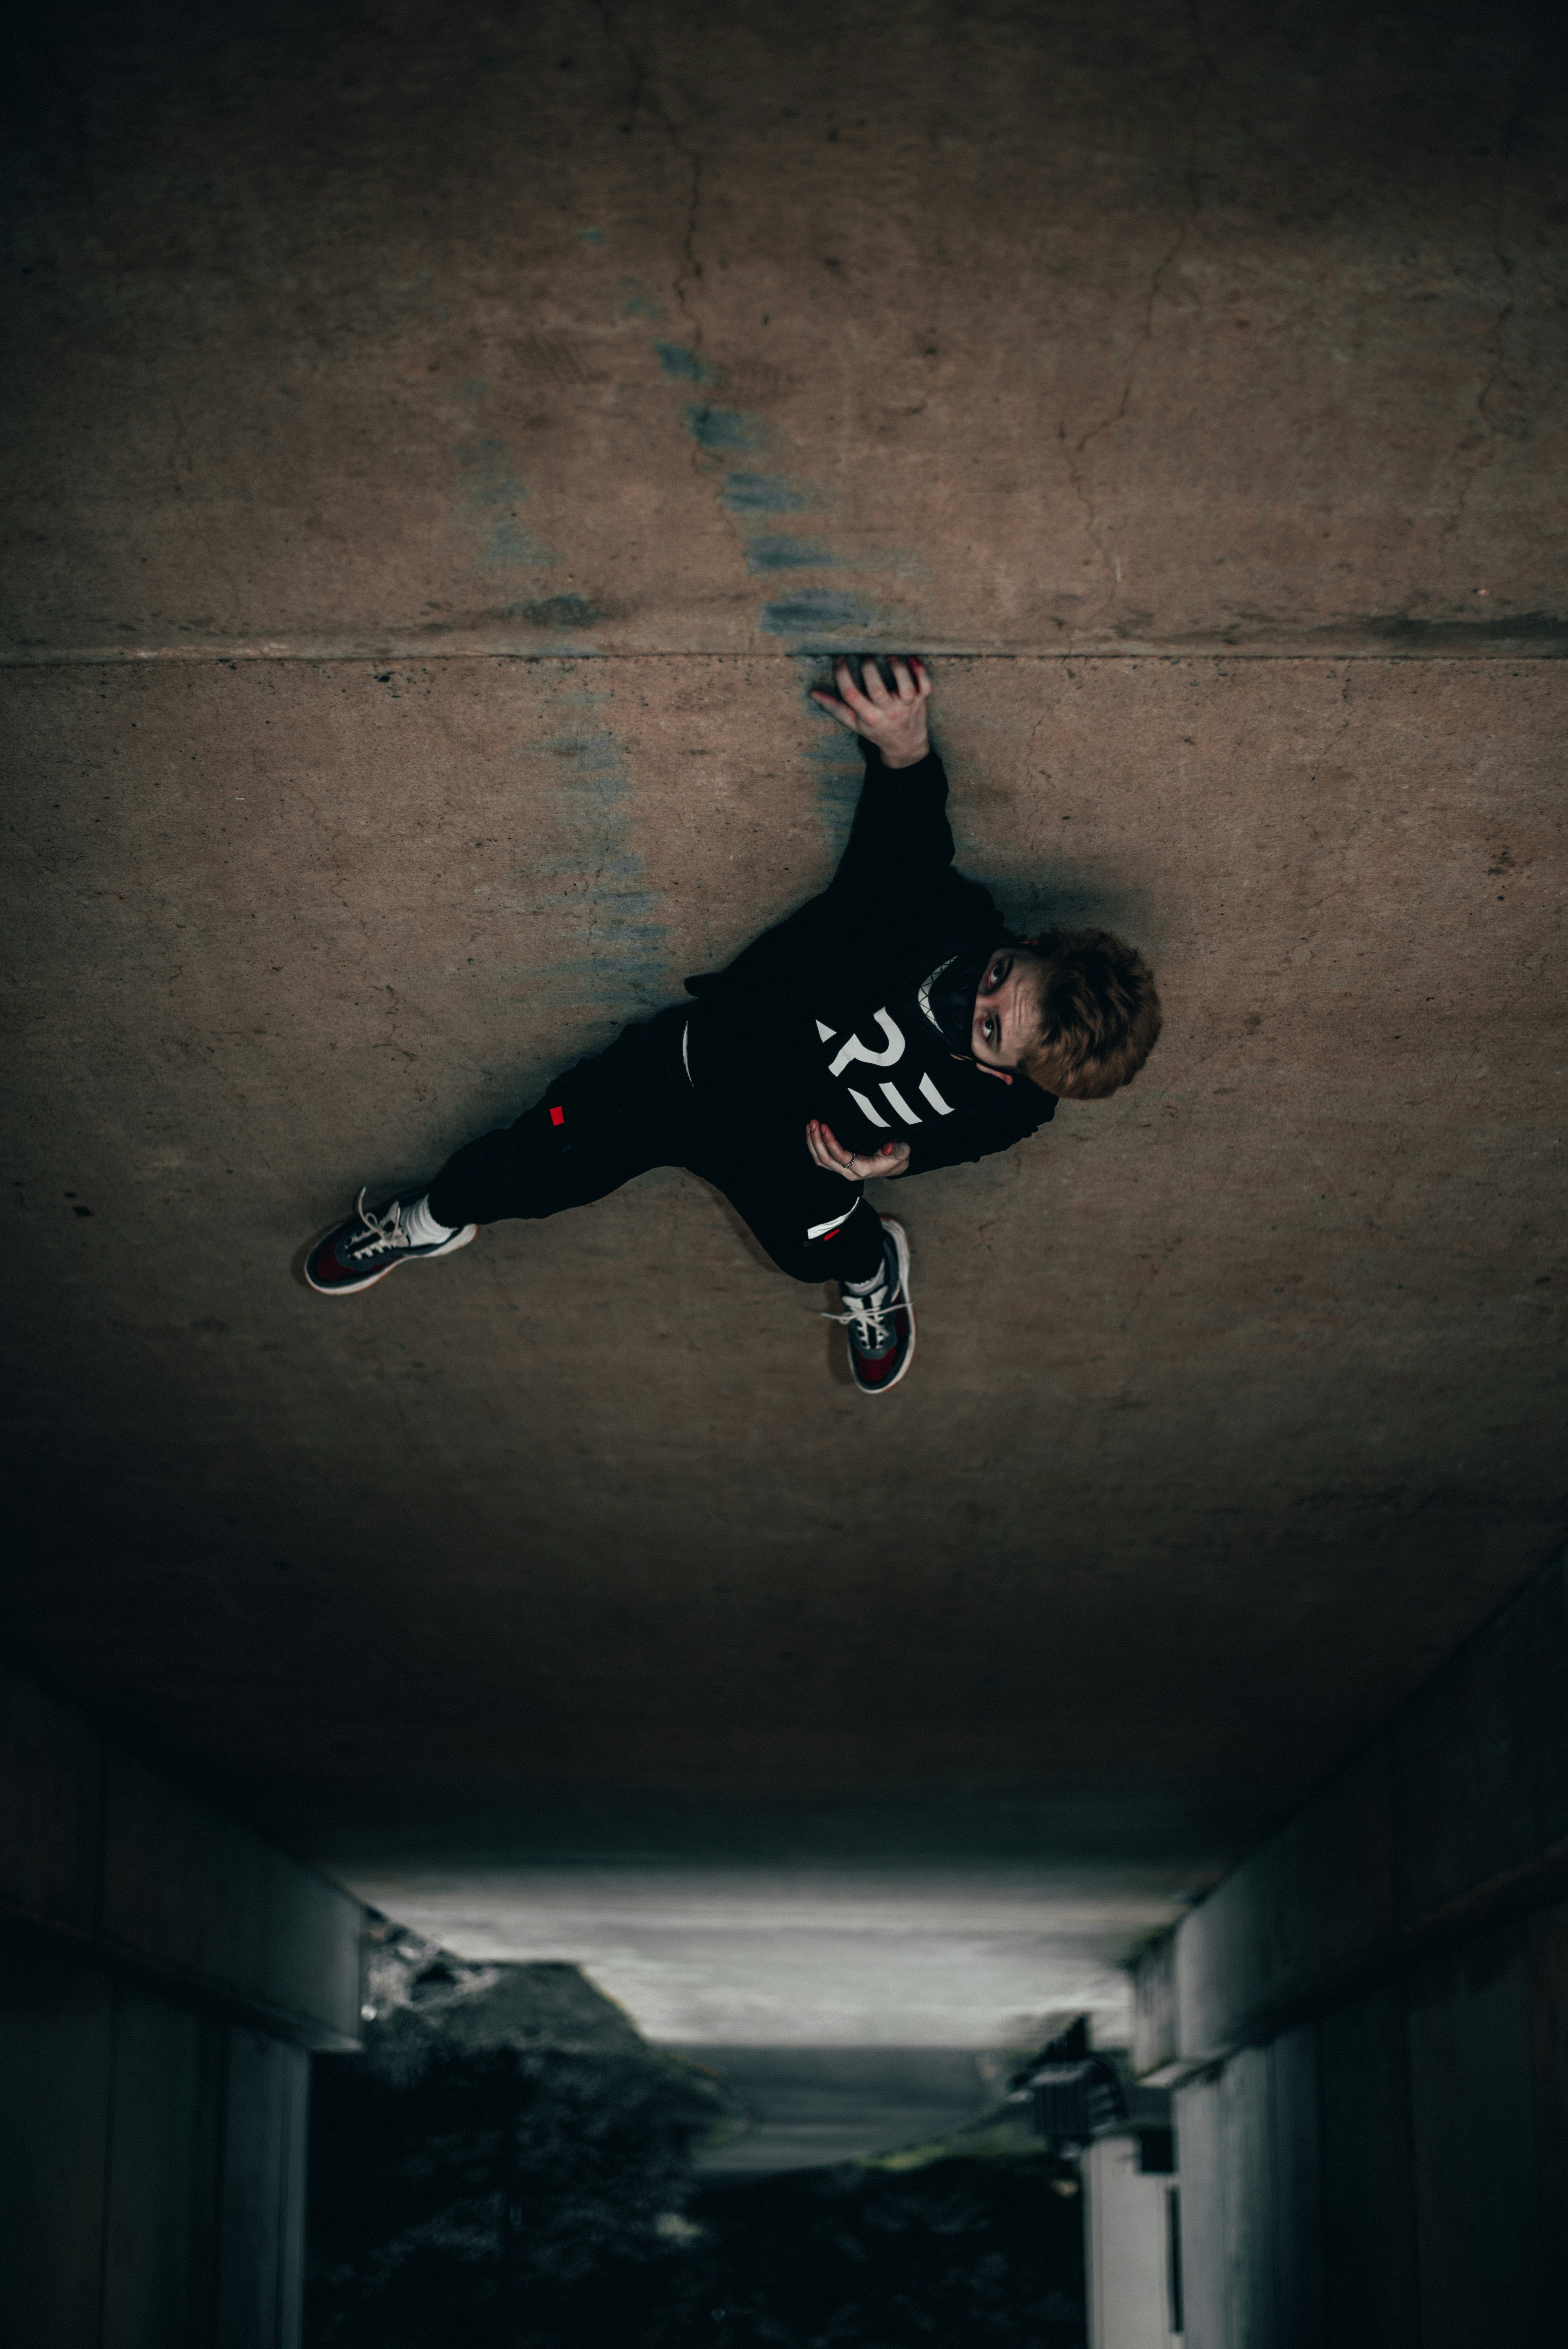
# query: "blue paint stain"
(777, 552)
(818, 612)
(616, 953)
(510, 549)
(683, 365)
(569, 616)
(592, 235)
(490, 495)
(725, 428)
(635, 303)
(839, 772)
(746, 493)
(485, 469)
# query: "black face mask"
(947, 995)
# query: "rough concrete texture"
(446, 436)
(396, 326)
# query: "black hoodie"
(855, 1009)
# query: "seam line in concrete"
(112, 658)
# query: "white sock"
(864, 1288)
(421, 1225)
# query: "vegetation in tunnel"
(505, 2164)
(964, 2253)
(546, 2203)
(501, 2198)
(510, 2165)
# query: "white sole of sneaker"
(447, 1247)
(900, 1249)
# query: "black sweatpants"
(632, 1107)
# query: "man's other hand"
(894, 721)
(830, 1155)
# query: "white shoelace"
(380, 1231)
(870, 1315)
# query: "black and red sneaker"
(356, 1255)
(880, 1324)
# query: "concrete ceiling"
(444, 440)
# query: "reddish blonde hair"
(1100, 1014)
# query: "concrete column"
(1366, 2029)
(163, 1978)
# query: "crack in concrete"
(691, 274)
(1337, 736)
(1496, 339)
(1073, 454)
(81, 145)
(183, 456)
(644, 90)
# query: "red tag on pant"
(558, 1117)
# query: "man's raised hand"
(830, 1155)
(894, 721)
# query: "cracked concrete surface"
(444, 443)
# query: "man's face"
(1007, 1008)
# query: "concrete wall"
(443, 433)
(450, 328)
(1368, 2028)
(163, 1978)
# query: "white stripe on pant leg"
(819, 1231)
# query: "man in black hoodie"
(889, 1026)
